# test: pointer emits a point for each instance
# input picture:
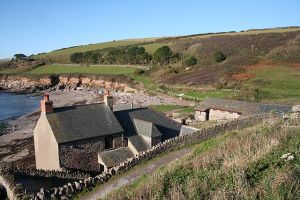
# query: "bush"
(162, 55)
(76, 57)
(191, 61)
(219, 56)
(139, 71)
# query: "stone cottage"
(94, 137)
(227, 109)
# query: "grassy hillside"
(260, 65)
(63, 55)
(179, 44)
(242, 164)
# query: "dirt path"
(129, 177)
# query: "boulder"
(296, 108)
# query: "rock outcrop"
(54, 82)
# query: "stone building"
(227, 109)
(94, 137)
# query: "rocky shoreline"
(16, 84)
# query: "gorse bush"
(191, 61)
(219, 56)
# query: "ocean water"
(15, 105)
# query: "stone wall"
(83, 154)
(71, 189)
(16, 191)
(200, 115)
(222, 115)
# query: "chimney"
(108, 99)
(46, 104)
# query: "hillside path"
(132, 175)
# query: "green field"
(282, 83)
(66, 69)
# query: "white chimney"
(108, 100)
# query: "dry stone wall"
(71, 189)
(16, 191)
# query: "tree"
(219, 56)
(191, 61)
(162, 55)
(76, 57)
(19, 55)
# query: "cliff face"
(24, 84)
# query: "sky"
(36, 26)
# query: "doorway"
(108, 142)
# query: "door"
(108, 142)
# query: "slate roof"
(167, 127)
(146, 128)
(82, 122)
(243, 106)
(138, 143)
(113, 157)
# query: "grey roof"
(185, 130)
(276, 108)
(167, 127)
(243, 106)
(146, 128)
(231, 105)
(138, 143)
(82, 122)
(113, 157)
(201, 107)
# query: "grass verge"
(245, 165)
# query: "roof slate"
(243, 106)
(167, 127)
(146, 128)
(113, 157)
(82, 122)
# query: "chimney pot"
(108, 99)
(46, 97)
(46, 104)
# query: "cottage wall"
(222, 115)
(45, 145)
(83, 154)
(200, 115)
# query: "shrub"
(162, 55)
(191, 61)
(139, 71)
(76, 57)
(219, 56)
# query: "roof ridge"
(79, 105)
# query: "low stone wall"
(71, 189)
(16, 191)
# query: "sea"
(16, 105)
